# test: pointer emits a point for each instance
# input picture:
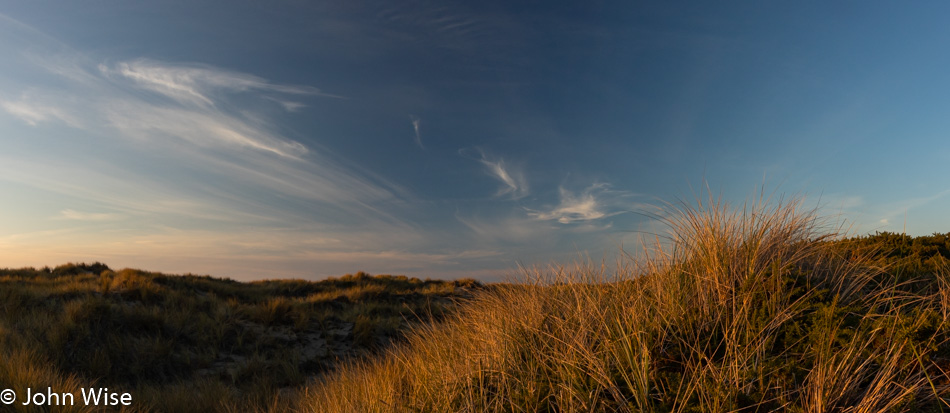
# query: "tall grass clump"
(743, 309)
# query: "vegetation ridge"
(752, 309)
(198, 343)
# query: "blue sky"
(449, 139)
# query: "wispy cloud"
(415, 128)
(571, 209)
(178, 142)
(34, 112)
(193, 115)
(288, 105)
(70, 214)
(582, 207)
(514, 183)
(194, 84)
(204, 128)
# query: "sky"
(447, 139)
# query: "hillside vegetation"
(754, 309)
(197, 343)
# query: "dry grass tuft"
(747, 309)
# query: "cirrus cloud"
(589, 205)
(194, 83)
(513, 180)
